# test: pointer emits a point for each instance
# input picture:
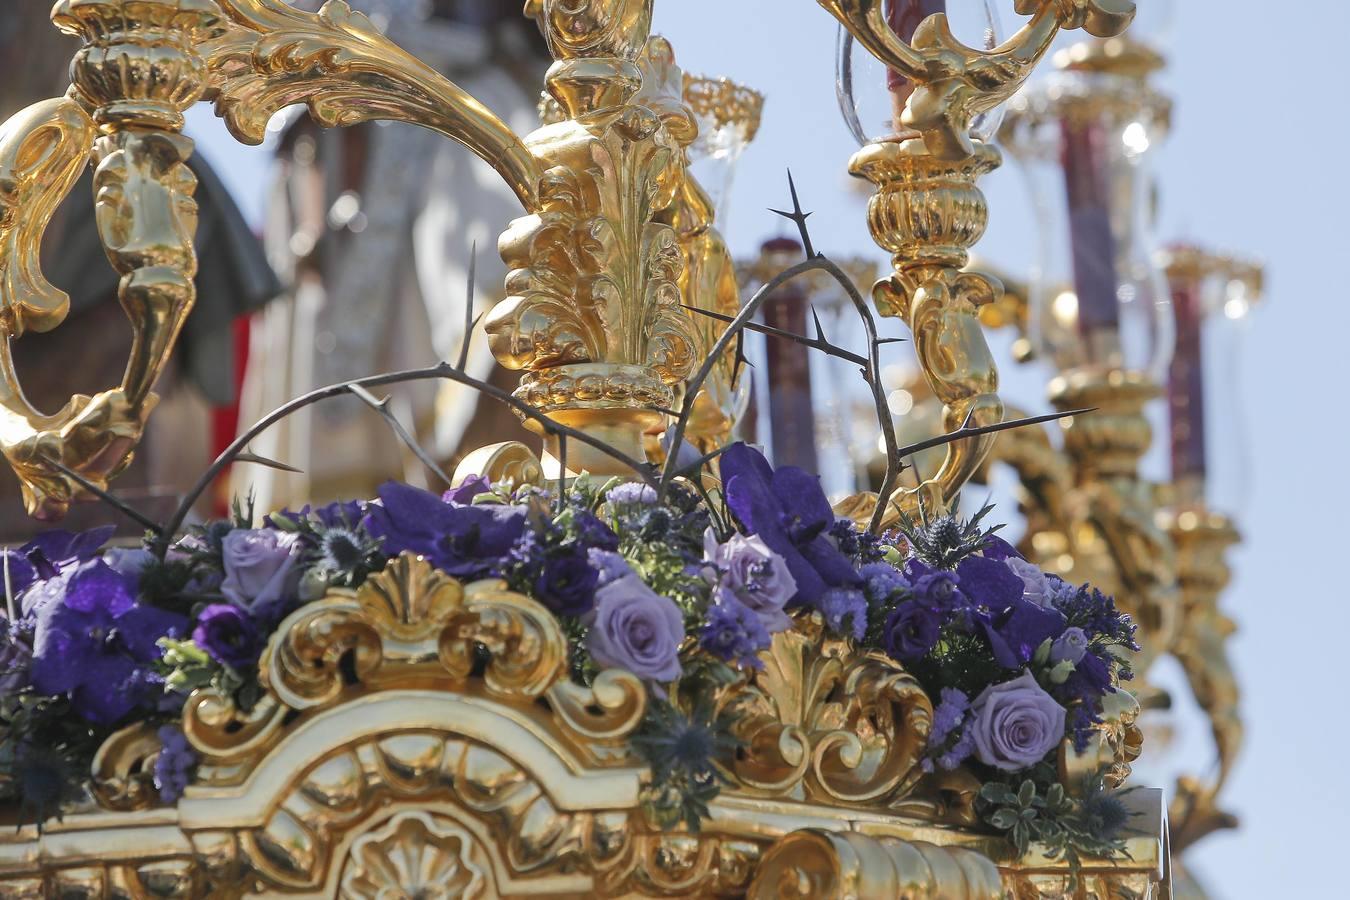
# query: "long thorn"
(249, 457)
(120, 505)
(798, 217)
(382, 407)
(963, 433)
(820, 344)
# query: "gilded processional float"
(644, 664)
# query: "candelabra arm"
(138, 70)
(339, 64)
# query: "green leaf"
(1003, 819)
(1026, 794)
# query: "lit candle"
(1086, 177)
(904, 17)
(1186, 387)
(792, 418)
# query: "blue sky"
(1253, 164)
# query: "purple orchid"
(97, 644)
(46, 558)
(463, 493)
(788, 510)
(464, 541)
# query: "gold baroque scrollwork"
(43, 150)
(414, 624)
(825, 723)
(337, 62)
(818, 865)
(453, 796)
(414, 855)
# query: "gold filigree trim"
(724, 103)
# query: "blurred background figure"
(88, 352)
(371, 229)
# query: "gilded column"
(593, 313)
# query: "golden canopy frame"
(421, 770)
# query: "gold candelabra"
(454, 755)
(1159, 548)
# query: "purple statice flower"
(962, 750)
(1096, 613)
(632, 493)
(734, 632)
(883, 583)
(754, 574)
(948, 718)
(262, 570)
(173, 764)
(338, 514)
(566, 582)
(464, 492)
(609, 566)
(788, 510)
(228, 635)
(464, 541)
(950, 713)
(1015, 724)
(97, 644)
(1069, 646)
(845, 611)
(635, 628)
(912, 630)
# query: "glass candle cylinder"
(1098, 297)
(728, 117)
(873, 97)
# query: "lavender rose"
(227, 635)
(1034, 585)
(755, 574)
(635, 628)
(260, 567)
(1015, 724)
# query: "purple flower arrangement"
(677, 589)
